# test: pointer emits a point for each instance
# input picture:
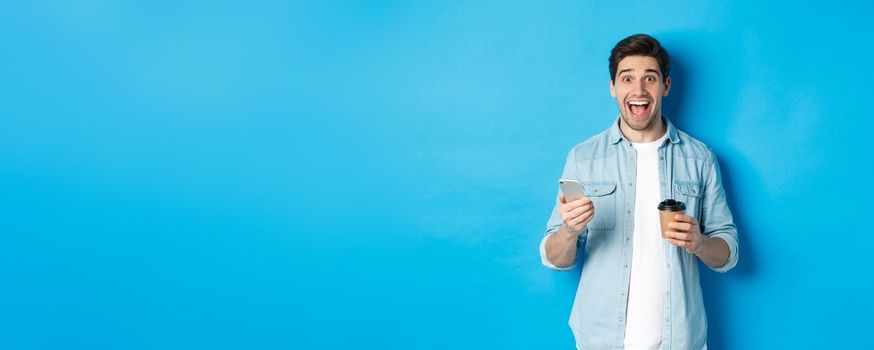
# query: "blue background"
(378, 174)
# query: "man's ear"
(612, 89)
(667, 87)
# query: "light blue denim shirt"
(606, 167)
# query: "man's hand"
(576, 214)
(685, 233)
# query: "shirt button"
(629, 184)
(629, 211)
(661, 158)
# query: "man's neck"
(653, 133)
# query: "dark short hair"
(640, 45)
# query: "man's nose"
(639, 88)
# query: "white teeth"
(638, 103)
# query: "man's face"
(638, 88)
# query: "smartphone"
(571, 189)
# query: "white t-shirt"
(648, 285)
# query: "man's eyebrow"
(648, 70)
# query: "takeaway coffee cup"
(667, 209)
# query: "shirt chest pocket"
(689, 192)
(603, 196)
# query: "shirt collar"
(615, 135)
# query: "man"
(637, 289)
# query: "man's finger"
(581, 209)
(680, 236)
(579, 202)
(583, 201)
(581, 217)
(685, 218)
(681, 244)
(573, 214)
(682, 226)
(561, 199)
(576, 221)
(565, 208)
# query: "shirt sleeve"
(554, 222)
(717, 218)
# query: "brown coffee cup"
(667, 209)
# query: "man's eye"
(650, 79)
(626, 79)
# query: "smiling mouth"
(638, 108)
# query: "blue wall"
(378, 174)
